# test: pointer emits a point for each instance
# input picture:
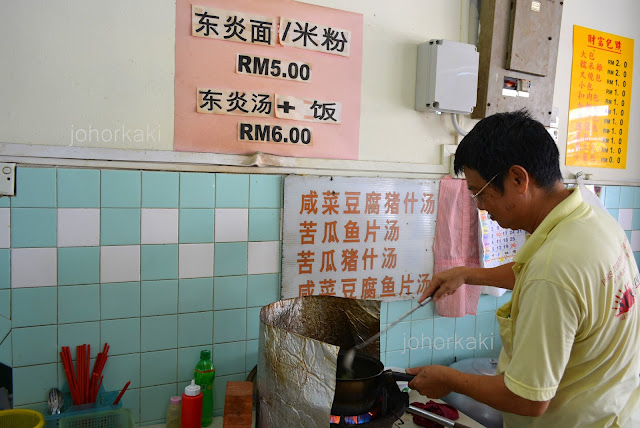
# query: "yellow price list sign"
(600, 99)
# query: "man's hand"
(445, 283)
(431, 381)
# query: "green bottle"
(204, 375)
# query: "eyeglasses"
(476, 196)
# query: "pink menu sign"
(274, 76)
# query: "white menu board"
(498, 246)
(365, 238)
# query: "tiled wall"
(163, 264)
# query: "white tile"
(232, 224)
(78, 227)
(34, 267)
(196, 260)
(5, 228)
(120, 263)
(264, 257)
(159, 226)
(635, 240)
(625, 216)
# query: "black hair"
(505, 139)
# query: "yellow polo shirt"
(571, 332)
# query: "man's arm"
(438, 381)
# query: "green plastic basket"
(120, 418)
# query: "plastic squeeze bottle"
(204, 375)
(174, 412)
(191, 406)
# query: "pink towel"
(456, 244)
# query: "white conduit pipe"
(454, 120)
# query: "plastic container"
(191, 406)
(104, 402)
(120, 418)
(205, 375)
(174, 412)
(21, 418)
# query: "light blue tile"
(504, 298)
(487, 303)
(398, 336)
(195, 329)
(120, 226)
(35, 187)
(78, 265)
(399, 359)
(78, 188)
(155, 400)
(158, 367)
(34, 345)
(5, 268)
(636, 197)
(636, 255)
(465, 326)
(159, 262)
(420, 357)
(187, 360)
(425, 312)
(159, 297)
(120, 300)
(251, 357)
(34, 227)
(263, 289)
(614, 212)
(195, 295)
(443, 356)
(122, 335)
(230, 258)
(383, 312)
(34, 306)
(33, 382)
(398, 308)
(628, 233)
(229, 358)
(5, 201)
(264, 224)
(196, 226)
(78, 334)
(158, 333)
(253, 323)
(444, 328)
(5, 326)
(220, 389)
(197, 190)
(626, 196)
(265, 191)
(485, 324)
(120, 189)
(464, 349)
(232, 191)
(635, 220)
(5, 306)
(612, 197)
(79, 303)
(6, 353)
(422, 331)
(229, 325)
(230, 292)
(121, 369)
(160, 189)
(131, 400)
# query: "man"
(571, 331)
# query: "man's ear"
(520, 178)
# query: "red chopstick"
(121, 394)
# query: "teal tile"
(425, 312)
(628, 233)
(636, 256)
(122, 335)
(487, 303)
(612, 197)
(159, 297)
(78, 265)
(131, 400)
(121, 369)
(31, 384)
(5, 305)
(444, 328)
(78, 334)
(263, 289)
(465, 327)
(422, 331)
(120, 189)
(35, 187)
(34, 306)
(230, 258)
(614, 212)
(230, 325)
(78, 188)
(34, 227)
(464, 349)
(78, 303)
(34, 345)
(635, 221)
(485, 324)
(232, 191)
(398, 336)
(399, 359)
(159, 262)
(636, 197)
(504, 298)
(196, 226)
(195, 329)
(155, 400)
(230, 292)
(420, 357)
(5, 327)
(443, 356)
(5, 268)
(160, 189)
(6, 354)
(251, 357)
(120, 300)
(197, 190)
(398, 308)
(265, 191)
(160, 367)
(383, 312)
(195, 295)
(187, 360)
(120, 226)
(253, 323)
(5, 201)
(626, 196)
(229, 358)
(264, 224)
(38, 407)
(220, 389)
(158, 333)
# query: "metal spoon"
(350, 355)
(55, 401)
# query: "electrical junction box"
(447, 77)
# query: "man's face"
(500, 206)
